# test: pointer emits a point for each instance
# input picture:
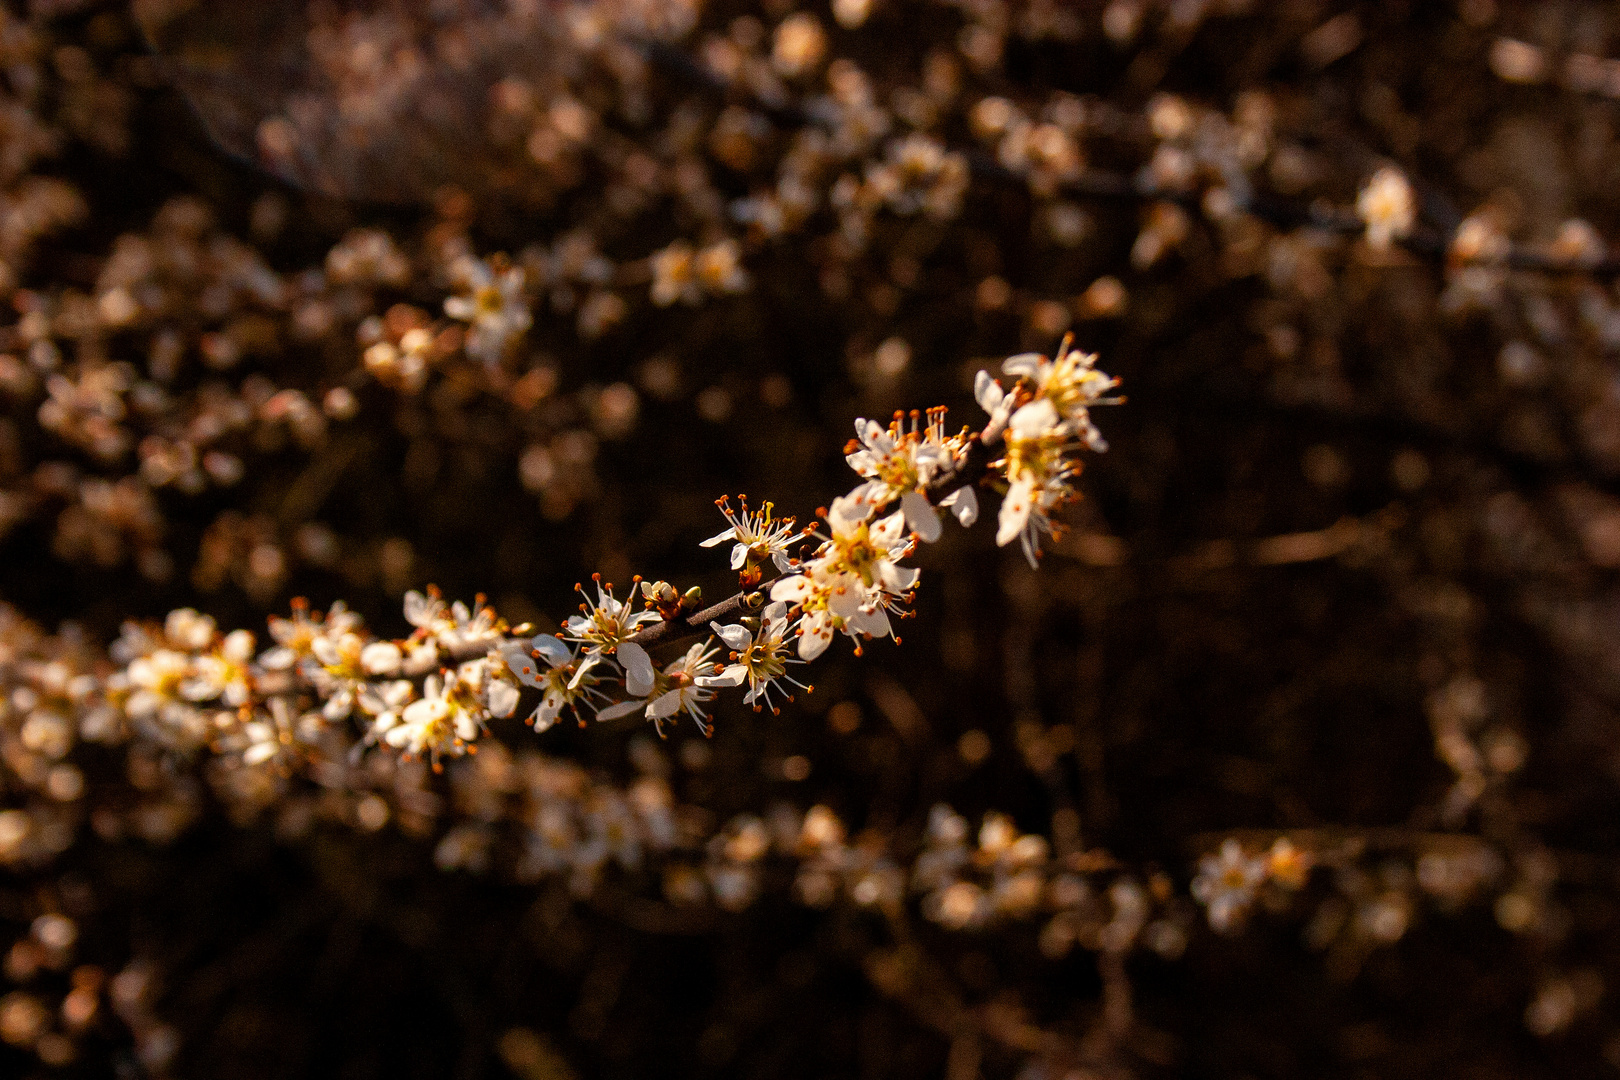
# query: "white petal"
(381, 658)
(1023, 364)
(519, 663)
(847, 512)
(792, 590)
(845, 601)
(623, 708)
(325, 650)
(339, 705)
(1034, 420)
(817, 635)
(736, 637)
(371, 701)
(888, 532)
(1015, 511)
(739, 555)
(665, 705)
(920, 516)
(898, 579)
(987, 392)
(417, 609)
(733, 675)
(546, 713)
(964, 503)
(396, 695)
(862, 461)
(719, 538)
(552, 650)
(874, 621)
(638, 669)
(503, 698)
(589, 661)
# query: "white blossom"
(685, 685)
(492, 303)
(606, 621)
(759, 656)
(759, 536)
(441, 723)
(1070, 384)
(1226, 883)
(1387, 206)
(902, 461)
(853, 579)
(566, 678)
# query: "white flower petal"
(665, 705)
(736, 637)
(920, 516)
(589, 661)
(847, 512)
(792, 590)
(623, 708)
(733, 675)
(552, 650)
(1023, 364)
(546, 713)
(381, 658)
(816, 634)
(889, 531)
(987, 392)
(638, 668)
(845, 601)
(419, 610)
(964, 503)
(898, 579)
(874, 621)
(1015, 510)
(503, 698)
(1032, 421)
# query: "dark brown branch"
(673, 630)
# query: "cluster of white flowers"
(852, 579)
(431, 695)
(492, 303)
(1041, 422)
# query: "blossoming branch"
(431, 695)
